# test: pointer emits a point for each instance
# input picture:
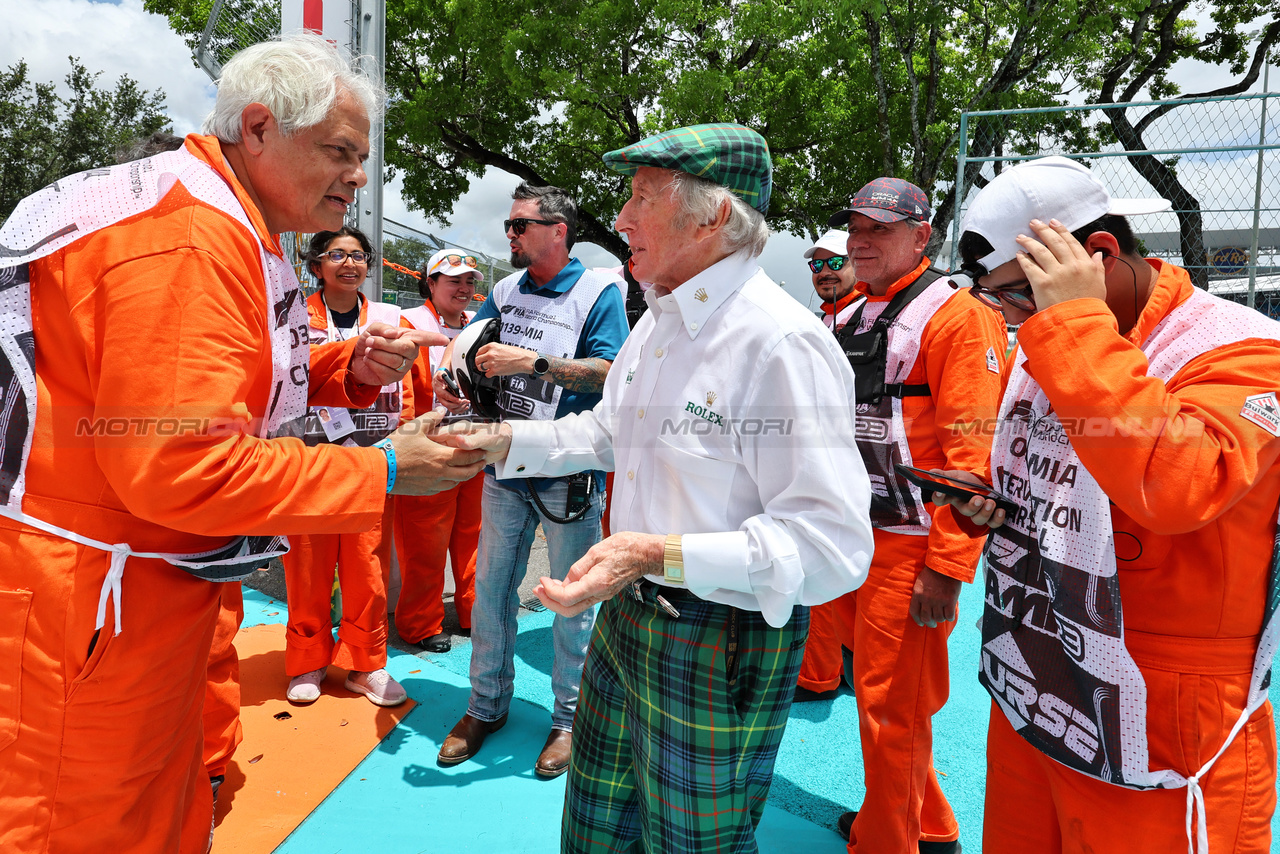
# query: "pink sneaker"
(378, 686)
(305, 689)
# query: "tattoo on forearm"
(579, 374)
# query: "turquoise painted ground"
(398, 801)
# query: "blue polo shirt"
(601, 338)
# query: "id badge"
(336, 422)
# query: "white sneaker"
(305, 688)
(378, 686)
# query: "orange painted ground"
(286, 766)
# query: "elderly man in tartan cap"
(740, 499)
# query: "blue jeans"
(509, 520)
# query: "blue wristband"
(390, 453)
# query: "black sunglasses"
(834, 263)
(519, 224)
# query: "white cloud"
(113, 39)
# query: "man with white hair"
(156, 374)
(740, 499)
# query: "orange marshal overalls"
(429, 528)
(363, 561)
(163, 314)
(1194, 514)
(900, 670)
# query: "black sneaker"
(804, 695)
(436, 643)
(215, 783)
(845, 824)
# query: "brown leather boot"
(465, 739)
(554, 759)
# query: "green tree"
(543, 90)
(931, 60)
(45, 136)
(844, 90)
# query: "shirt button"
(631, 475)
(693, 326)
(640, 413)
(519, 468)
(658, 352)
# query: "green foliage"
(844, 90)
(407, 251)
(45, 136)
(543, 90)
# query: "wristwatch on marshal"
(541, 365)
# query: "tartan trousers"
(678, 726)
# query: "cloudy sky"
(120, 38)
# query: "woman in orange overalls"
(340, 260)
(430, 528)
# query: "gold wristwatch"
(673, 560)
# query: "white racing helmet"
(482, 391)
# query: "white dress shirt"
(728, 416)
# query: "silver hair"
(298, 77)
(699, 202)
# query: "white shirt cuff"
(530, 446)
(716, 562)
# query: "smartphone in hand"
(930, 482)
(451, 384)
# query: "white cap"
(451, 262)
(836, 240)
(1048, 188)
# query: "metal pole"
(371, 26)
(955, 210)
(209, 63)
(1257, 190)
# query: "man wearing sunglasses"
(561, 327)
(833, 276)
(1130, 624)
(928, 365)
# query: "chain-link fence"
(232, 26)
(1216, 159)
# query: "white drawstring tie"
(111, 586)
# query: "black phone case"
(928, 485)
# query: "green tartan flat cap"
(733, 156)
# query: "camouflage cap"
(733, 156)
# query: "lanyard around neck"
(334, 332)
